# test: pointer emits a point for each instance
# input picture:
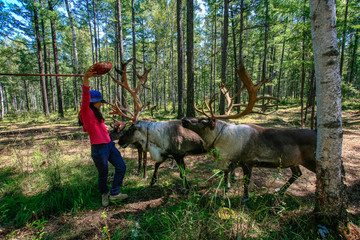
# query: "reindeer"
(249, 145)
(162, 139)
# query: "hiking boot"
(105, 199)
(119, 196)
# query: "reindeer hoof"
(280, 191)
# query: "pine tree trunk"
(164, 75)
(57, 66)
(224, 52)
(280, 73)
(267, 29)
(52, 87)
(330, 209)
(45, 62)
(121, 91)
(96, 40)
(156, 93)
(190, 111)
(181, 65)
(90, 28)
(238, 99)
(75, 60)
(2, 102)
(40, 63)
(354, 56)
(173, 94)
(214, 61)
(302, 73)
(343, 39)
(236, 77)
(133, 41)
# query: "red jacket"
(97, 131)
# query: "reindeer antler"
(117, 108)
(252, 100)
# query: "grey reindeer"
(162, 140)
(249, 145)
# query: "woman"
(103, 150)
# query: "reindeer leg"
(172, 165)
(227, 175)
(296, 173)
(144, 164)
(154, 177)
(247, 176)
(139, 160)
(181, 165)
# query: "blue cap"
(96, 97)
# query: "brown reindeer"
(249, 145)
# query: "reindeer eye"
(204, 121)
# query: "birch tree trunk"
(330, 209)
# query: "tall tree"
(266, 33)
(44, 40)
(343, 38)
(303, 69)
(75, 59)
(224, 52)
(2, 100)
(121, 92)
(190, 111)
(40, 61)
(133, 40)
(90, 28)
(330, 209)
(56, 61)
(354, 56)
(180, 50)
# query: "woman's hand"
(99, 68)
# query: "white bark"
(329, 186)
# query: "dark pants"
(102, 154)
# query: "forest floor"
(19, 143)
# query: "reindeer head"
(198, 125)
